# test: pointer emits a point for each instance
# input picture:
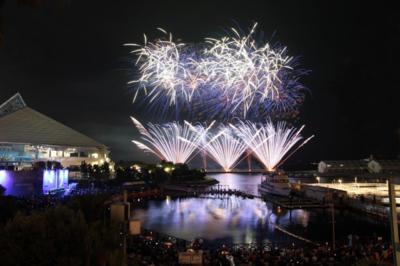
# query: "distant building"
(358, 167)
(27, 136)
(384, 166)
(343, 166)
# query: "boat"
(276, 184)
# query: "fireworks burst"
(244, 71)
(271, 143)
(165, 68)
(170, 142)
(227, 77)
(225, 149)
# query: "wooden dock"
(217, 190)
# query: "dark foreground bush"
(58, 236)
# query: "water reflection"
(233, 219)
(238, 220)
(244, 182)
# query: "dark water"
(237, 220)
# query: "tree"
(8, 208)
(2, 190)
(44, 238)
(84, 168)
(92, 206)
(58, 236)
(105, 168)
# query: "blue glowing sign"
(54, 180)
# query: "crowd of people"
(151, 250)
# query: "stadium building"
(27, 136)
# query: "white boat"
(275, 184)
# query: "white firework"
(170, 142)
(271, 143)
(237, 68)
(244, 71)
(225, 149)
(165, 70)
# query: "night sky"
(67, 60)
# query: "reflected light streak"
(211, 219)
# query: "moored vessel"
(275, 184)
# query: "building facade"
(359, 167)
(28, 136)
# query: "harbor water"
(235, 220)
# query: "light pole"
(393, 222)
(333, 227)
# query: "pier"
(235, 171)
(221, 190)
(297, 203)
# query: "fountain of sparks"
(225, 149)
(271, 144)
(171, 142)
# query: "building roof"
(11, 105)
(21, 124)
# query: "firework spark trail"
(244, 71)
(270, 143)
(171, 142)
(224, 148)
(165, 70)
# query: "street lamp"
(393, 221)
